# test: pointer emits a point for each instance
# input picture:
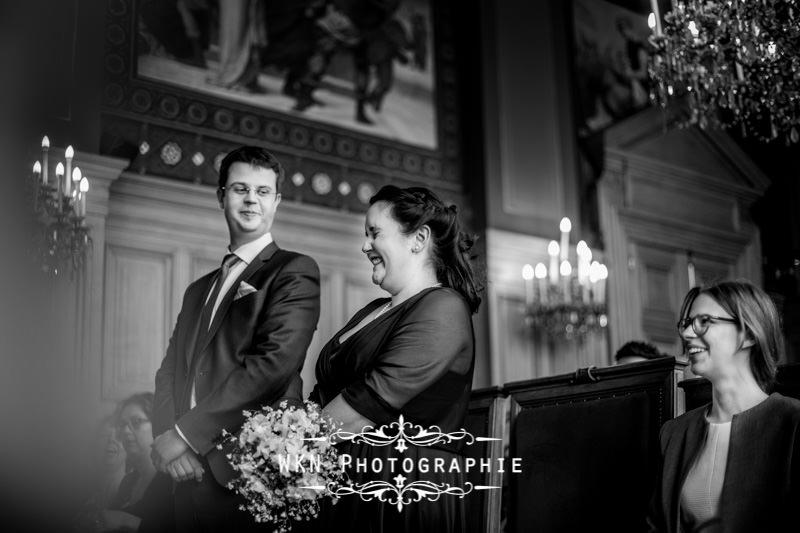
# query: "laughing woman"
(411, 354)
(734, 464)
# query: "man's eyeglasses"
(134, 423)
(700, 323)
(244, 190)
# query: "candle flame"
(60, 169)
(76, 174)
(69, 153)
(84, 185)
(37, 168)
(541, 271)
(527, 272)
(565, 269)
(565, 225)
(651, 20)
(45, 142)
(594, 272)
(553, 248)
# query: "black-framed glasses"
(134, 423)
(243, 190)
(700, 323)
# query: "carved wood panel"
(137, 320)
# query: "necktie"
(205, 317)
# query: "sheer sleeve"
(432, 339)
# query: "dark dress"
(154, 508)
(417, 360)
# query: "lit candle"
(527, 275)
(68, 155)
(59, 176)
(566, 278)
(692, 279)
(565, 226)
(552, 251)
(541, 273)
(584, 259)
(37, 170)
(45, 148)
(76, 182)
(656, 15)
(601, 283)
(84, 189)
(594, 276)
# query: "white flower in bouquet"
(282, 472)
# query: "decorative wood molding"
(652, 214)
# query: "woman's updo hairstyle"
(414, 207)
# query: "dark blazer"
(761, 490)
(251, 355)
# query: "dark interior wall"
(56, 61)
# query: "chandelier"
(59, 213)
(736, 62)
(562, 301)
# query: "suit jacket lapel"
(194, 311)
(227, 299)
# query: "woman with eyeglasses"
(732, 465)
(144, 498)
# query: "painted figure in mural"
(239, 343)
(734, 464)
(411, 354)
(242, 36)
(367, 30)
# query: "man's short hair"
(254, 156)
(638, 349)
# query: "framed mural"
(349, 94)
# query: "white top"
(703, 486)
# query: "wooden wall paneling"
(659, 290)
(89, 297)
(652, 214)
(531, 178)
(137, 327)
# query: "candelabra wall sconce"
(563, 301)
(61, 238)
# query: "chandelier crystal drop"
(735, 62)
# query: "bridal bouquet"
(285, 463)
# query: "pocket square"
(243, 290)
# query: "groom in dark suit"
(239, 343)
